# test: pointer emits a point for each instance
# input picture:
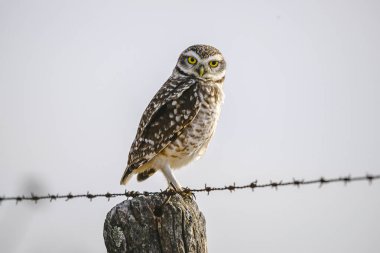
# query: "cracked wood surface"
(140, 225)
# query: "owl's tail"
(128, 173)
(138, 167)
(140, 176)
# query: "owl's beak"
(201, 71)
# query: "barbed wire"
(253, 185)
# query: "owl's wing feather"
(171, 90)
(173, 107)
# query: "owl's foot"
(184, 192)
(187, 193)
(168, 193)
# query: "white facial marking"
(213, 74)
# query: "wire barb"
(70, 196)
(232, 188)
(346, 180)
(370, 178)
(90, 196)
(52, 197)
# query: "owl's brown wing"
(173, 107)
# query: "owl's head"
(203, 62)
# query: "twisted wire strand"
(253, 185)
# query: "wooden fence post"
(145, 224)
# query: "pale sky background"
(302, 100)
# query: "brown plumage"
(180, 120)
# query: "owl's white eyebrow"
(191, 53)
(216, 57)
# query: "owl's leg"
(172, 181)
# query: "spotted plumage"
(204, 51)
(180, 120)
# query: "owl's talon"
(183, 192)
(186, 193)
(170, 191)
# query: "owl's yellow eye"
(191, 60)
(213, 64)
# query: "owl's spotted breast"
(193, 141)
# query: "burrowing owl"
(180, 120)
